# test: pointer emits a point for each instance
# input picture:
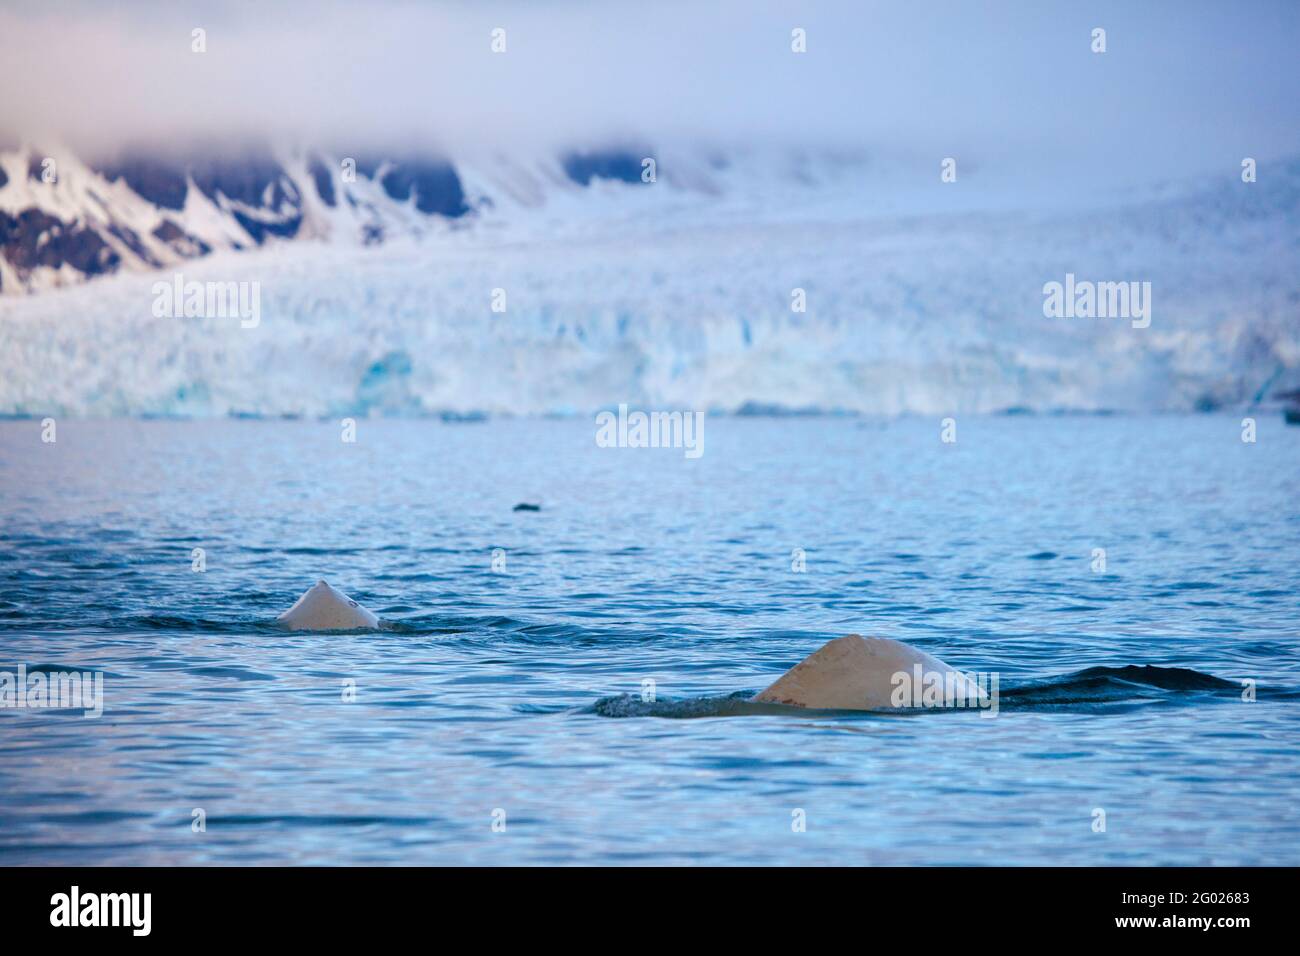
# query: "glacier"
(921, 298)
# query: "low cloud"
(1182, 86)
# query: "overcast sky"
(1183, 86)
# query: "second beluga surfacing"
(325, 608)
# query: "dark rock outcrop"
(260, 229)
(621, 165)
(254, 179)
(128, 238)
(179, 240)
(162, 183)
(34, 238)
(320, 175)
(435, 184)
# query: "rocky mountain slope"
(65, 219)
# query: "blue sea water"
(516, 694)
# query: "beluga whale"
(872, 673)
(326, 608)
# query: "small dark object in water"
(524, 506)
(1292, 415)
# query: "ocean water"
(517, 694)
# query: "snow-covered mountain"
(566, 283)
(65, 219)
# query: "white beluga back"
(861, 673)
(325, 608)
